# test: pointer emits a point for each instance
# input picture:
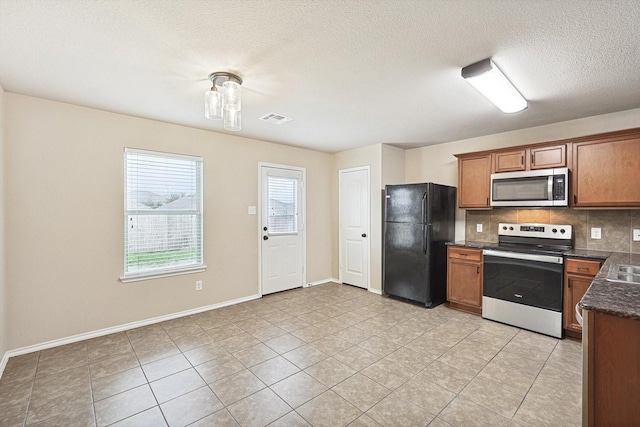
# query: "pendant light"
(223, 100)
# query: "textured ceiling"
(350, 73)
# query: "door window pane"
(282, 205)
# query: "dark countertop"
(586, 253)
(471, 244)
(615, 298)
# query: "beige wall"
(393, 165)
(366, 156)
(64, 169)
(437, 162)
(3, 298)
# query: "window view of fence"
(163, 212)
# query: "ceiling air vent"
(276, 119)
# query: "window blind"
(163, 212)
(282, 204)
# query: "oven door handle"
(527, 257)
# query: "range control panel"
(546, 231)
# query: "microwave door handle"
(550, 187)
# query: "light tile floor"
(330, 355)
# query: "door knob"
(265, 237)
(364, 235)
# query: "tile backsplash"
(616, 225)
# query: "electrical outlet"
(251, 210)
(596, 233)
(636, 234)
(198, 285)
(479, 228)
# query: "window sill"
(160, 274)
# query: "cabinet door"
(554, 156)
(509, 161)
(607, 173)
(464, 283)
(574, 288)
(474, 176)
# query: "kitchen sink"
(624, 273)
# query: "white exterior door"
(281, 228)
(354, 226)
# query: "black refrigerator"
(418, 221)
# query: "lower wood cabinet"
(579, 274)
(464, 279)
(611, 370)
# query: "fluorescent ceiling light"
(487, 78)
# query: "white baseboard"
(375, 291)
(114, 329)
(3, 363)
(320, 282)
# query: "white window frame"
(162, 271)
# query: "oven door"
(523, 278)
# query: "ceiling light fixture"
(223, 101)
(487, 78)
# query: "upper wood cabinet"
(474, 175)
(553, 156)
(547, 157)
(606, 172)
(604, 169)
(510, 161)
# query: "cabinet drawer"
(581, 266)
(463, 253)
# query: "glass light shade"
(213, 102)
(232, 99)
(498, 89)
(232, 120)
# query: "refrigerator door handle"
(425, 228)
(424, 208)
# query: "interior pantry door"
(282, 240)
(354, 226)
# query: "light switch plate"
(596, 233)
(251, 210)
(479, 228)
(636, 234)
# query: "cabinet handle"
(583, 268)
(522, 160)
(463, 254)
(487, 201)
(477, 269)
(532, 162)
(575, 199)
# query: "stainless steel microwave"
(544, 187)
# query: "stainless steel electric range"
(523, 276)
